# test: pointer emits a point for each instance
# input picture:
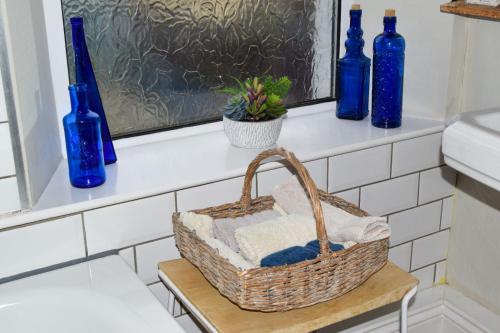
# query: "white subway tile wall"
(401, 256)
(351, 196)
(41, 245)
(446, 216)
(7, 167)
(150, 254)
(417, 201)
(161, 293)
(390, 196)
(430, 249)
(425, 276)
(416, 154)
(128, 255)
(3, 108)
(414, 223)
(10, 195)
(359, 168)
(440, 276)
(129, 223)
(212, 194)
(267, 180)
(436, 183)
(190, 325)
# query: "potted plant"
(254, 113)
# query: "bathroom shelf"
(462, 8)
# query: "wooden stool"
(217, 314)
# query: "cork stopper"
(356, 7)
(390, 12)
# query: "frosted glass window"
(159, 63)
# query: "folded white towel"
(199, 223)
(340, 225)
(224, 228)
(225, 252)
(260, 240)
(202, 225)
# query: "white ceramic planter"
(246, 134)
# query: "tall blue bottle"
(85, 74)
(388, 73)
(82, 130)
(353, 73)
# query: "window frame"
(53, 13)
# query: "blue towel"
(296, 254)
(314, 245)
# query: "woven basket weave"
(283, 288)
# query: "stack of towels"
(287, 233)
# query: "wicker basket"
(283, 288)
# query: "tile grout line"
(134, 249)
(427, 266)
(256, 179)
(441, 216)
(152, 240)
(417, 206)
(411, 255)
(8, 177)
(328, 175)
(386, 179)
(434, 278)
(84, 235)
(359, 197)
(392, 160)
(418, 238)
(418, 188)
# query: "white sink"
(471, 145)
(102, 295)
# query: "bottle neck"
(78, 95)
(78, 41)
(354, 43)
(390, 24)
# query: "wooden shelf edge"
(471, 10)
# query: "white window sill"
(148, 169)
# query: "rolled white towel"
(340, 225)
(260, 240)
(199, 223)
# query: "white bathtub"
(103, 295)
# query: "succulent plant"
(236, 108)
(257, 100)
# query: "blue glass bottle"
(353, 73)
(388, 73)
(85, 74)
(82, 130)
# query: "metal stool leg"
(404, 309)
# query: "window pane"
(159, 63)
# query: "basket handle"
(303, 174)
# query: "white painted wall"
(428, 33)
(474, 249)
(27, 48)
(474, 252)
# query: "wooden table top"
(386, 286)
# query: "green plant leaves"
(260, 101)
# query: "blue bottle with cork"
(353, 73)
(388, 74)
